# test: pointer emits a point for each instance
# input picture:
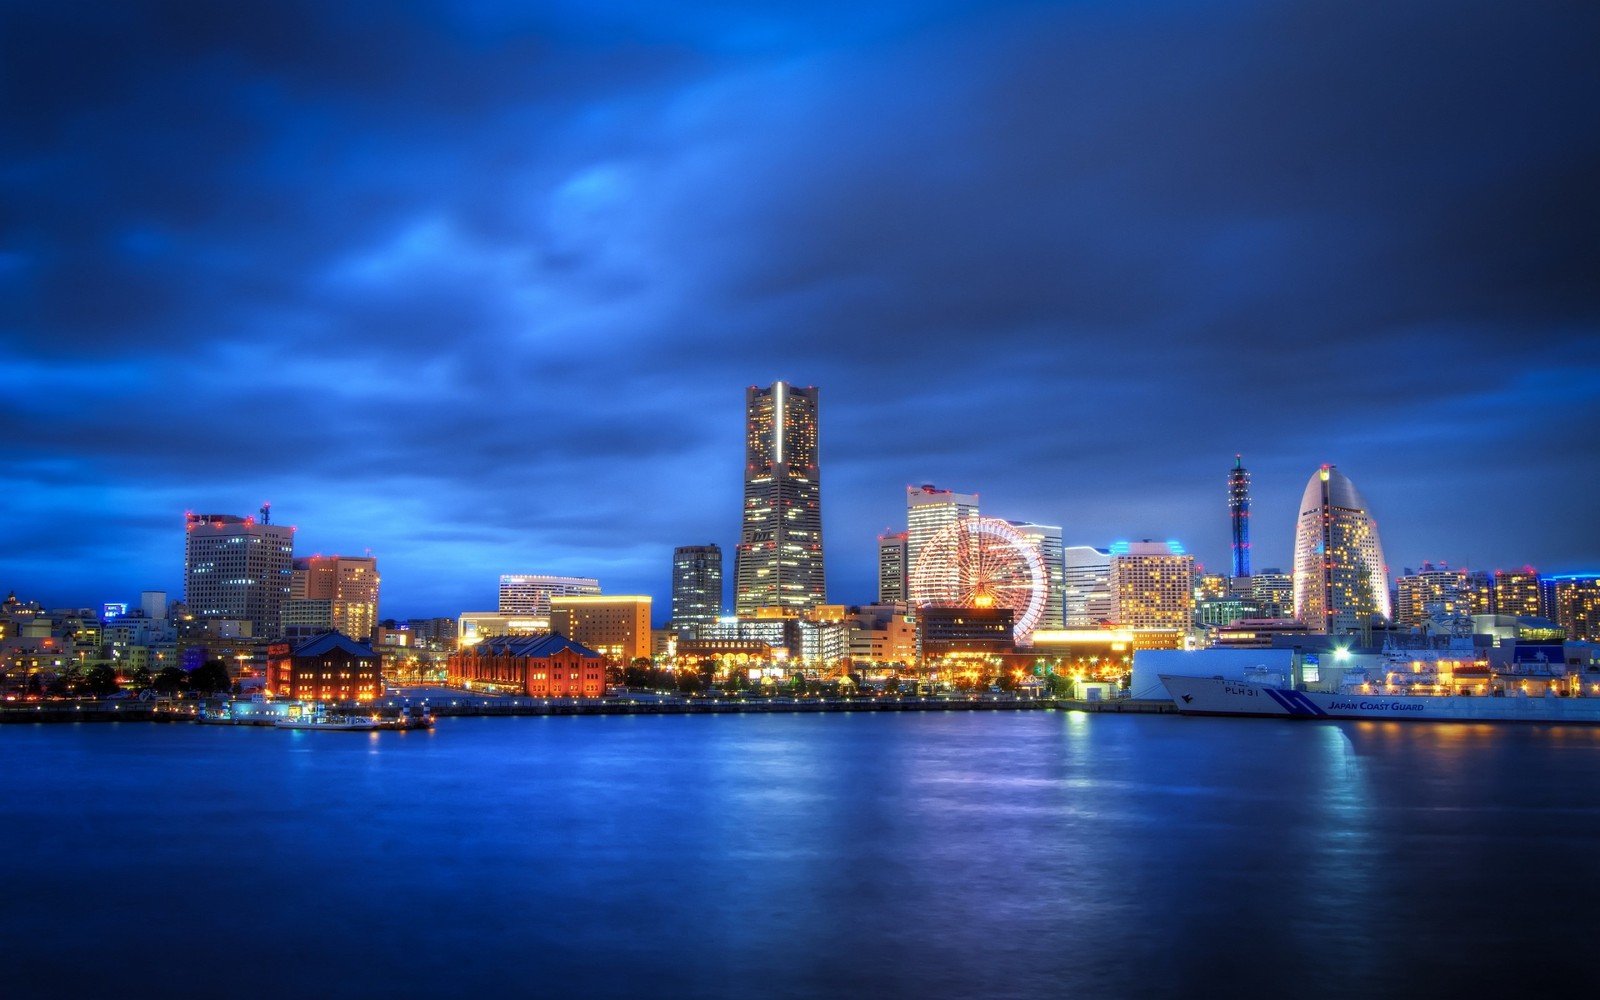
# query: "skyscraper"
(779, 559)
(237, 568)
(696, 588)
(1046, 540)
(1086, 583)
(348, 583)
(1239, 516)
(1340, 580)
(892, 568)
(930, 510)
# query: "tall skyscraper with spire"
(1340, 580)
(779, 559)
(1239, 515)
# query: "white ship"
(1219, 696)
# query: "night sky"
(478, 287)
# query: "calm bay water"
(920, 855)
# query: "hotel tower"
(1339, 577)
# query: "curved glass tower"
(1339, 577)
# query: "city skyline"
(1071, 259)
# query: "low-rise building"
(330, 667)
(540, 666)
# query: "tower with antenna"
(1239, 514)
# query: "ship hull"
(1217, 696)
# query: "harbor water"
(1025, 854)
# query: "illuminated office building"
(930, 510)
(696, 588)
(1340, 580)
(892, 585)
(1086, 586)
(238, 569)
(616, 626)
(529, 595)
(349, 585)
(1046, 540)
(1272, 590)
(779, 559)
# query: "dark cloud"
(477, 286)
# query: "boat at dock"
(285, 714)
(320, 718)
(1511, 703)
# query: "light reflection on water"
(949, 854)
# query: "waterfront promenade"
(445, 702)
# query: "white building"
(929, 510)
(1046, 540)
(527, 594)
(1086, 586)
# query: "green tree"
(140, 679)
(170, 681)
(211, 677)
(100, 680)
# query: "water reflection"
(1031, 855)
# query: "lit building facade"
(1517, 593)
(1340, 580)
(1272, 590)
(945, 630)
(1153, 585)
(539, 666)
(929, 510)
(892, 564)
(1480, 591)
(696, 588)
(331, 667)
(1438, 597)
(528, 594)
(475, 626)
(1239, 516)
(779, 559)
(238, 568)
(882, 633)
(1577, 605)
(1046, 540)
(1086, 586)
(350, 586)
(616, 626)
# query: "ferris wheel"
(981, 562)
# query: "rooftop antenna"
(266, 513)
